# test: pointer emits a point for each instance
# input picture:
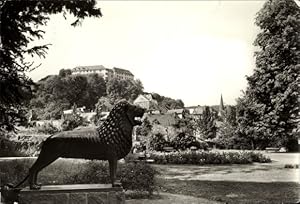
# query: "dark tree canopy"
(64, 72)
(56, 93)
(19, 23)
(269, 110)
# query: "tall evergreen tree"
(273, 89)
(207, 123)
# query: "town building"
(146, 101)
(195, 110)
(181, 112)
(80, 111)
(105, 72)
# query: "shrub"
(158, 142)
(47, 128)
(292, 145)
(184, 142)
(258, 157)
(138, 177)
(73, 121)
(94, 172)
(133, 176)
(291, 166)
(202, 157)
(12, 145)
(9, 148)
(20, 144)
(139, 146)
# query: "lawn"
(254, 183)
(234, 192)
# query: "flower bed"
(204, 157)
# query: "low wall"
(73, 194)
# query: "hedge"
(204, 157)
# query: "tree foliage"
(104, 104)
(269, 111)
(186, 125)
(206, 123)
(56, 93)
(73, 120)
(228, 137)
(166, 103)
(19, 22)
(128, 89)
(183, 141)
(59, 92)
(144, 129)
(157, 142)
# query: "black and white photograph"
(150, 102)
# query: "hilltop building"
(106, 73)
(122, 73)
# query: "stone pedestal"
(73, 194)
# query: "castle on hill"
(105, 72)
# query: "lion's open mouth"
(138, 120)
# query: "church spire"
(221, 107)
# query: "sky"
(189, 50)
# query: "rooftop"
(122, 71)
(94, 67)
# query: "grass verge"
(235, 192)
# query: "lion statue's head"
(117, 129)
(123, 115)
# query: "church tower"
(221, 107)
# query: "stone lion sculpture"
(111, 141)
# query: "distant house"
(195, 110)
(81, 111)
(198, 110)
(88, 115)
(181, 113)
(146, 101)
(70, 111)
(55, 123)
(106, 73)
